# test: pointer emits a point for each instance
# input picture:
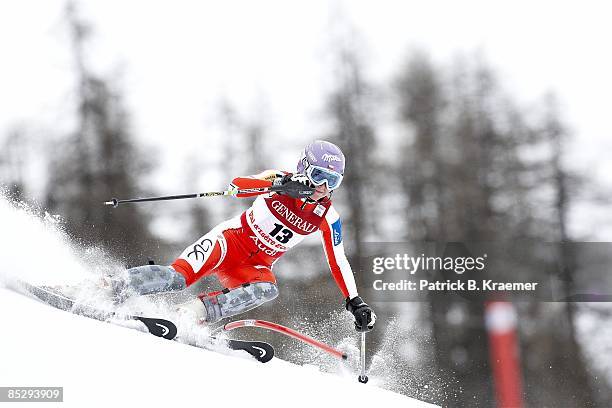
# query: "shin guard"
(231, 302)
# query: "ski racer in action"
(241, 251)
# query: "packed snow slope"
(102, 365)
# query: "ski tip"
(159, 327)
(261, 351)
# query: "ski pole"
(290, 188)
(363, 378)
(115, 202)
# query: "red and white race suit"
(243, 249)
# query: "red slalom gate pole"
(286, 331)
(504, 354)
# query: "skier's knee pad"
(231, 302)
(148, 279)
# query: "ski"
(261, 351)
(157, 327)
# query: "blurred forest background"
(463, 161)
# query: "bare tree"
(565, 187)
(13, 156)
(350, 107)
(98, 161)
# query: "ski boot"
(142, 280)
(209, 308)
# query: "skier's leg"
(148, 279)
(251, 286)
(248, 287)
(239, 275)
(203, 256)
(196, 261)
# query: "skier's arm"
(331, 235)
(294, 185)
(260, 180)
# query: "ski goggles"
(319, 175)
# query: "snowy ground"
(102, 365)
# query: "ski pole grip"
(294, 189)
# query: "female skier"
(241, 251)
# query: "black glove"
(294, 185)
(364, 315)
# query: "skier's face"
(320, 192)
